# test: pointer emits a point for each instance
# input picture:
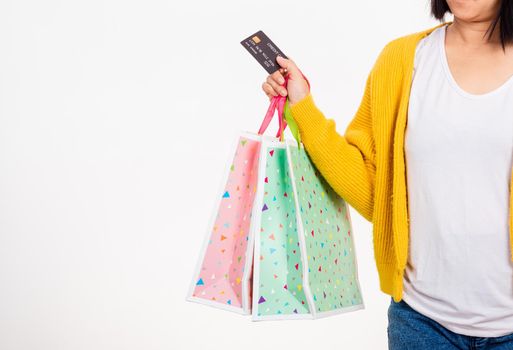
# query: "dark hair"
(504, 18)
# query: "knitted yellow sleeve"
(347, 161)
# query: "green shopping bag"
(325, 233)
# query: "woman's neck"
(473, 34)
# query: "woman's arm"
(347, 161)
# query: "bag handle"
(281, 103)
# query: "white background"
(116, 119)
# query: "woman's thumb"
(290, 66)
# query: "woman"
(436, 115)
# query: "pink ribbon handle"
(278, 103)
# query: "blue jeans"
(408, 329)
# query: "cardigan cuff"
(309, 118)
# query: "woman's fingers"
(278, 76)
(297, 87)
(273, 86)
(277, 87)
(269, 90)
(289, 65)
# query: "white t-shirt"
(459, 153)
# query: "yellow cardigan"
(366, 165)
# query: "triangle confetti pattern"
(280, 280)
(333, 275)
(222, 266)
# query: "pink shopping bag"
(223, 274)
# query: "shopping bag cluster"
(280, 243)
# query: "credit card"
(264, 50)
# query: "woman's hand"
(297, 87)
